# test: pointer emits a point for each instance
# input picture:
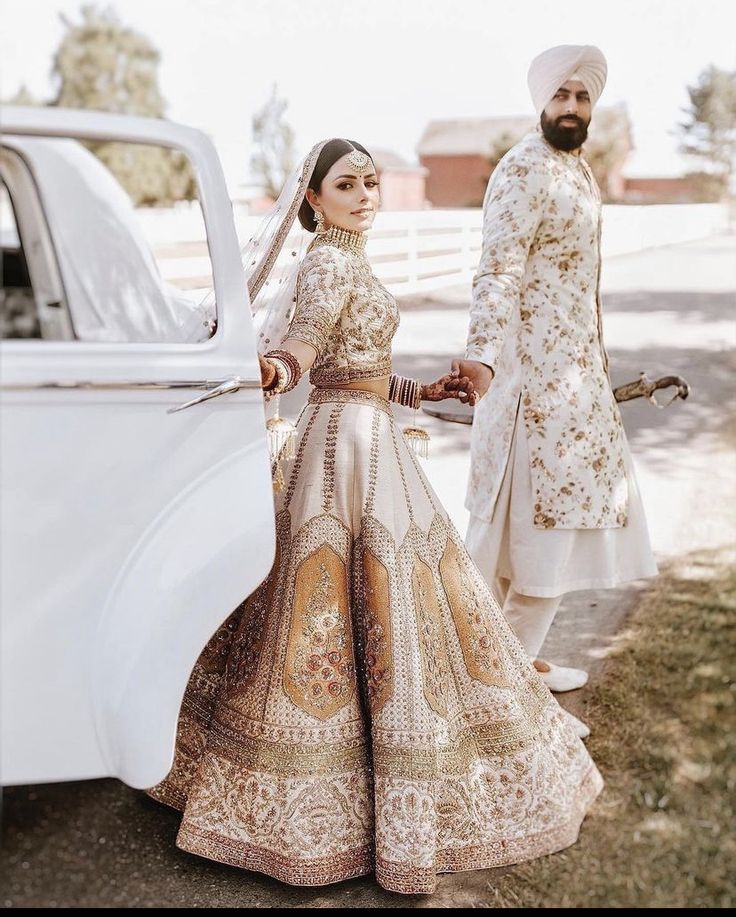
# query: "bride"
(368, 708)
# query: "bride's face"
(347, 200)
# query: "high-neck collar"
(347, 239)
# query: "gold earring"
(320, 220)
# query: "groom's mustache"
(575, 118)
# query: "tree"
(707, 187)
(609, 143)
(104, 66)
(606, 149)
(710, 130)
(23, 96)
(274, 140)
(500, 145)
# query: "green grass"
(663, 721)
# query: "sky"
(379, 71)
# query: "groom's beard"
(562, 137)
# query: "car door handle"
(224, 388)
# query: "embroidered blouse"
(343, 311)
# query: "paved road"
(100, 843)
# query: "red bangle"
(292, 364)
(407, 392)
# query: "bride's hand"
(268, 373)
(462, 389)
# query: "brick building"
(403, 186)
(455, 153)
(662, 190)
(458, 153)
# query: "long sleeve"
(322, 291)
(512, 211)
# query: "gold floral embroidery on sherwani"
(368, 708)
(536, 319)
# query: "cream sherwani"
(536, 319)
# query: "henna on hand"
(448, 386)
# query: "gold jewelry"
(319, 218)
(417, 438)
(360, 162)
(348, 239)
(282, 433)
(282, 437)
(408, 392)
(293, 367)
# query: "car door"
(131, 527)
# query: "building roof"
(387, 160)
(476, 136)
(469, 136)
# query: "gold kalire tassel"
(282, 436)
(417, 438)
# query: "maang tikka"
(360, 162)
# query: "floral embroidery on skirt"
(368, 708)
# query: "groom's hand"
(439, 391)
(477, 373)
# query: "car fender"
(190, 568)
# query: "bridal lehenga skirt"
(368, 709)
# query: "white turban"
(550, 69)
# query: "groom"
(552, 497)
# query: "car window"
(32, 302)
(126, 243)
(18, 316)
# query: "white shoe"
(562, 678)
(581, 728)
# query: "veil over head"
(271, 266)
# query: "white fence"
(420, 251)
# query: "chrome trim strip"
(120, 386)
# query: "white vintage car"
(130, 529)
